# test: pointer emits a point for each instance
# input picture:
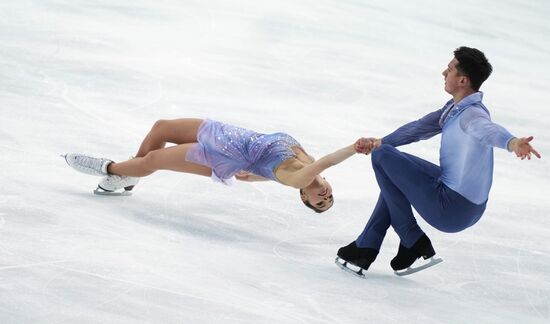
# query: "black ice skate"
(405, 257)
(357, 257)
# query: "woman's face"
(319, 196)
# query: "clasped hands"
(365, 145)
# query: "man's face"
(452, 79)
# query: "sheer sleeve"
(475, 122)
(424, 128)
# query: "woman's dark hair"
(473, 64)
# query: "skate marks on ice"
(31, 265)
(120, 289)
(86, 87)
(512, 262)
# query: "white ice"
(93, 76)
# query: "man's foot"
(406, 256)
(361, 257)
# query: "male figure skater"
(450, 197)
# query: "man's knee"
(382, 152)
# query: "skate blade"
(64, 156)
(433, 261)
(344, 266)
(101, 192)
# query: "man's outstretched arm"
(478, 124)
(522, 147)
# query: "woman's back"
(228, 149)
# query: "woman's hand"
(242, 176)
(247, 176)
(365, 145)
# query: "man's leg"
(363, 251)
(375, 230)
(405, 180)
(393, 208)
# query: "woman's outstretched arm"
(305, 176)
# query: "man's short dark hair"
(473, 64)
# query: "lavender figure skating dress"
(229, 149)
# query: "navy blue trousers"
(407, 181)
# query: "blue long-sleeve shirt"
(467, 141)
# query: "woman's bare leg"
(177, 131)
(152, 155)
(170, 158)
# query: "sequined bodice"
(229, 149)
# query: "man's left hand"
(523, 148)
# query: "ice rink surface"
(93, 76)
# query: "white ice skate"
(87, 164)
(112, 184)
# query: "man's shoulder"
(475, 110)
(479, 106)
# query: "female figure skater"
(221, 151)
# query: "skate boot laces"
(87, 164)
